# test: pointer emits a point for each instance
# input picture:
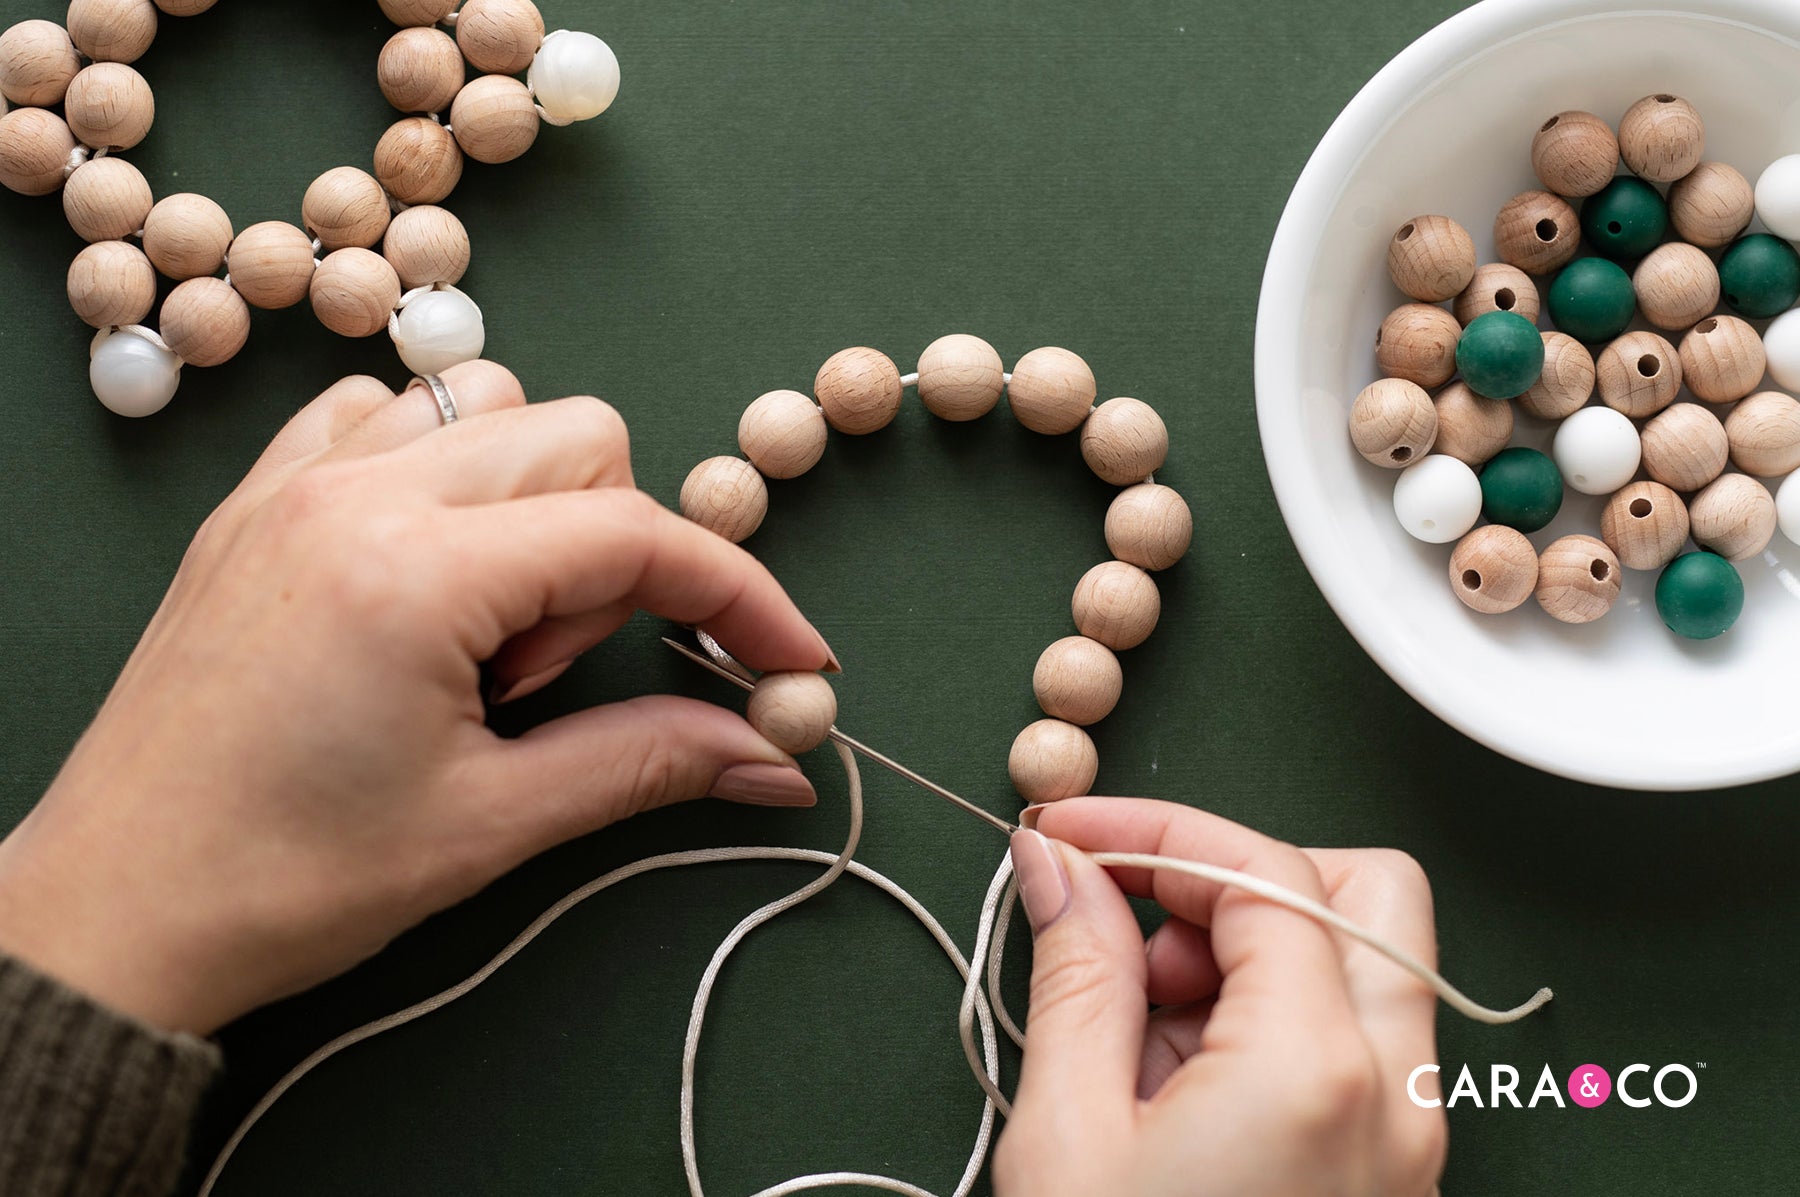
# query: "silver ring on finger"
(446, 402)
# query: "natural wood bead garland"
(372, 250)
(1078, 679)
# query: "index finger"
(569, 552)
(1283, 975)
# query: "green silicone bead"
(1521, 488)
(1592, 299)
(1699, 595)
(1759, 276)
(1500, 354)
(1625, 219)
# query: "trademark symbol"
(1699, 1063)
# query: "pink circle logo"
(1589, 1086)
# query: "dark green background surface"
(779, 180)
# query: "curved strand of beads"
(372, 251)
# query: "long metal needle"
(855, 745)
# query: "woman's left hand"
(294, 766)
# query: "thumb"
(579, 773)
(1085, 1035)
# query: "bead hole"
(1504, 299)
(1614, 227)
(1471, 579)
(1549, 124)
(1429, 525)
(1706, 326)
(1403, 453)
(1665, 99)
(1599, 569)
(1649, 365)
(1640, 508)
(1406, 230)
(1546, 229)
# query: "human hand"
(1276, 1060)
(293, 766)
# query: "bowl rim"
(1479, 28)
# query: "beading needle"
(855, 745)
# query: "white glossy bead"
(575, 76)
(1597, 449)
(1787, 507)
(1778, 197)
(1781, 345)
(130, 376)
(439, 329)
(1438, 499)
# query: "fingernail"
(1043, 885)
(1029, 816)
(831, 661)
(759, 784)
(504, 692)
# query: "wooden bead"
(421, 70)
(1764, 431)
(1117, 604)
(960, 377)
(1578, 579)
(1052, 760)
(106, 199)
(109, 106)
(185, 8)
(1471, 428)
(1417, 342)
(354, 291)
(1574, 154)
(1078, 679)
(495, 119)
(727, 496)
(1711, 205)
(417, 12)
(859, 389)
(1685, 447)
(1677, 285)
(418, 161)
(271, 264)
(1497, 287)
(1661, 138)
(1124, 441)
(205, 321)
(37, 60)
(1638, 374)
(1722, 359)
(345, 208)
(791, 710)
(112, 30)
(427, 245)
(1149, 525)
(783, 433)
(1645, 524)
(1431, 258)
(1566, 383)
(34, 147)
(1537, 232)
(1393, 423)
(187, 235)
(1734, 516)
(1052, 391)
(499, 37)
(111, 283)
(1493, 569)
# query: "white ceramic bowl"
(1446, 127)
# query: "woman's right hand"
(1276, 1059)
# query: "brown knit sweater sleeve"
(92, 1104)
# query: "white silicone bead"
(1781, 344)
(439, 329)
(1778, 197)
(575, 76)
(132, 377)
(1438, 499)
(1787, 507)
(1597, 449)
